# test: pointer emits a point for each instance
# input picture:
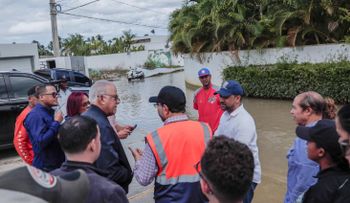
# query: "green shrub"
(285, 81)
(152, 63)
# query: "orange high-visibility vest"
(177, 147)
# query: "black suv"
(74, 78)
(13, 99)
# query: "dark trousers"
(250, 194)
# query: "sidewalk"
(159, 71)
(142, 197)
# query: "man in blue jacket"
(307, 110)
(79, 138)
(42, 126)
(104, 100)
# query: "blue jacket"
(42, 130)
(301, 171)
(101, 189)
(112, 158)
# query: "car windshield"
(45, 74)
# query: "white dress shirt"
(240, 126)
(62, 101)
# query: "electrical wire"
(109, 20)
(91, 2)
(116, 1)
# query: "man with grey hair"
(104, 100)
(307, 110)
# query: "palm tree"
(128, 40)
(220, 25)
(42, 50)
(75, 45)
(311, 22)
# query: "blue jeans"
(250, 194)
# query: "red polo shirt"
(208, 106)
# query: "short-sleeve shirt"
(208, 106)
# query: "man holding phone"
(172, 151)
(104, 100)
(122, 131)
(42, 124)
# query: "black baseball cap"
(324, 134)
(35, 184)
(171, 96)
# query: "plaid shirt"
(146, 168)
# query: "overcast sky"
(22, 21)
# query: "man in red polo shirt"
(207, 104)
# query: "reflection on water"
(274, 126)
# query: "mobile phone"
(133, 128)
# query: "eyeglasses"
(202, 176)
(204, 76)
(85, 104)
(156, 104)
(345, 146)
(115, 97)
(53, 94)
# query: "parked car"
(74, 78)
(13, 99)
(14, 86)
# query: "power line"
(139, 7)
(81, 5)
(113, 21)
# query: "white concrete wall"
(124, 60)
(63, 62)
(23, 52)
(157, 42)
(216, 62)
(112, 61)
(177, 60)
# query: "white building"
(23, 57)
(153, 42)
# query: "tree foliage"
(227, 25)
(77, 45)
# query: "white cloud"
(30, 27)
(24, 21)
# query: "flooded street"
(274, 126)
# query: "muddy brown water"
(275, 129)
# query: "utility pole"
(55, 43)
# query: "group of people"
(214, 159)
(317, 167)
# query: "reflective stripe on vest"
(161, 178)
(206, 133)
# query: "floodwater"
(274, 124)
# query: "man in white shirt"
(238, 124)
(64, 93)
